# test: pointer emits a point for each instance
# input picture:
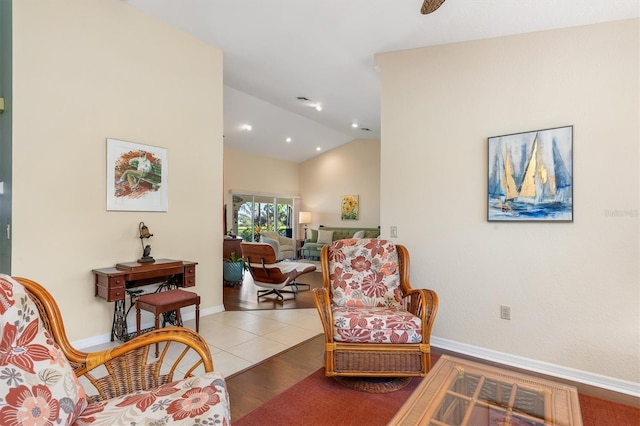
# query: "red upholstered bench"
(167, 301)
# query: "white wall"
(574, 288)
(351, 169)
(84, 72)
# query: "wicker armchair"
(121, 384)
(375, 324)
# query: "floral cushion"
(37, 384)
(366, 295)
(364, 272)
(201, 400)
(376, 325)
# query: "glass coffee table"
(461, 392)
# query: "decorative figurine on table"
(146, 250)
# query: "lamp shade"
(304, 217)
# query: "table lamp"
(305, 219)
(146, 251)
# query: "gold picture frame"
(349, 207)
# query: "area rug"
(374, 384)
(321, 400)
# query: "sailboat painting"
(531, 176)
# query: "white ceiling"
(277, 50)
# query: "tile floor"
(240, 339)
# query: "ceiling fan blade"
(430, 6)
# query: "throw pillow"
(325, 237)
(359, 234)
(40, 383)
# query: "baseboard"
(567, 373)
(106, 338)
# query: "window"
(256, 213)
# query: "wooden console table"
(112, 284)
(460, 392)
(231, 245)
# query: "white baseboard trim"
(106, 338)
(579, 376)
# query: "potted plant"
(233, 269)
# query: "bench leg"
(197, 317)
(156, 324)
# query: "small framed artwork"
(531, 176)
(136, 177)
(349, 207)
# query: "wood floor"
(243, 297)
(251, 388)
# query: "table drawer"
(190, 276)
(110, 288)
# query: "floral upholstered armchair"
(374, 323)
(44, 380)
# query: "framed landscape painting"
(530, 176)
(136, 177)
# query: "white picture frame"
(132, 186)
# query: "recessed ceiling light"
(318, 107)
(288, 140)
(354, 124)
(247, 127)
(318, 149)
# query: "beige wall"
(84, 72)
(245, 171)
(574, 287)
(351, 169)
(318, 184)
(249, 173)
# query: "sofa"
(324, 235)
(284, 247)
(47, 381)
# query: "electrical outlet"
(505, 312)
(394, 232)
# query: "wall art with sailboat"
(531, 176)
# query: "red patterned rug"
(320, 400)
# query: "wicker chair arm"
(186, 336)
(423, 303)
(323, 304)
(128, 367)
(131, 367)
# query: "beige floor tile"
(260, 326)
(257, 349)
(227, 363)
(225, 337)
(291, 335)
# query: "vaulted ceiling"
(277, 51)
